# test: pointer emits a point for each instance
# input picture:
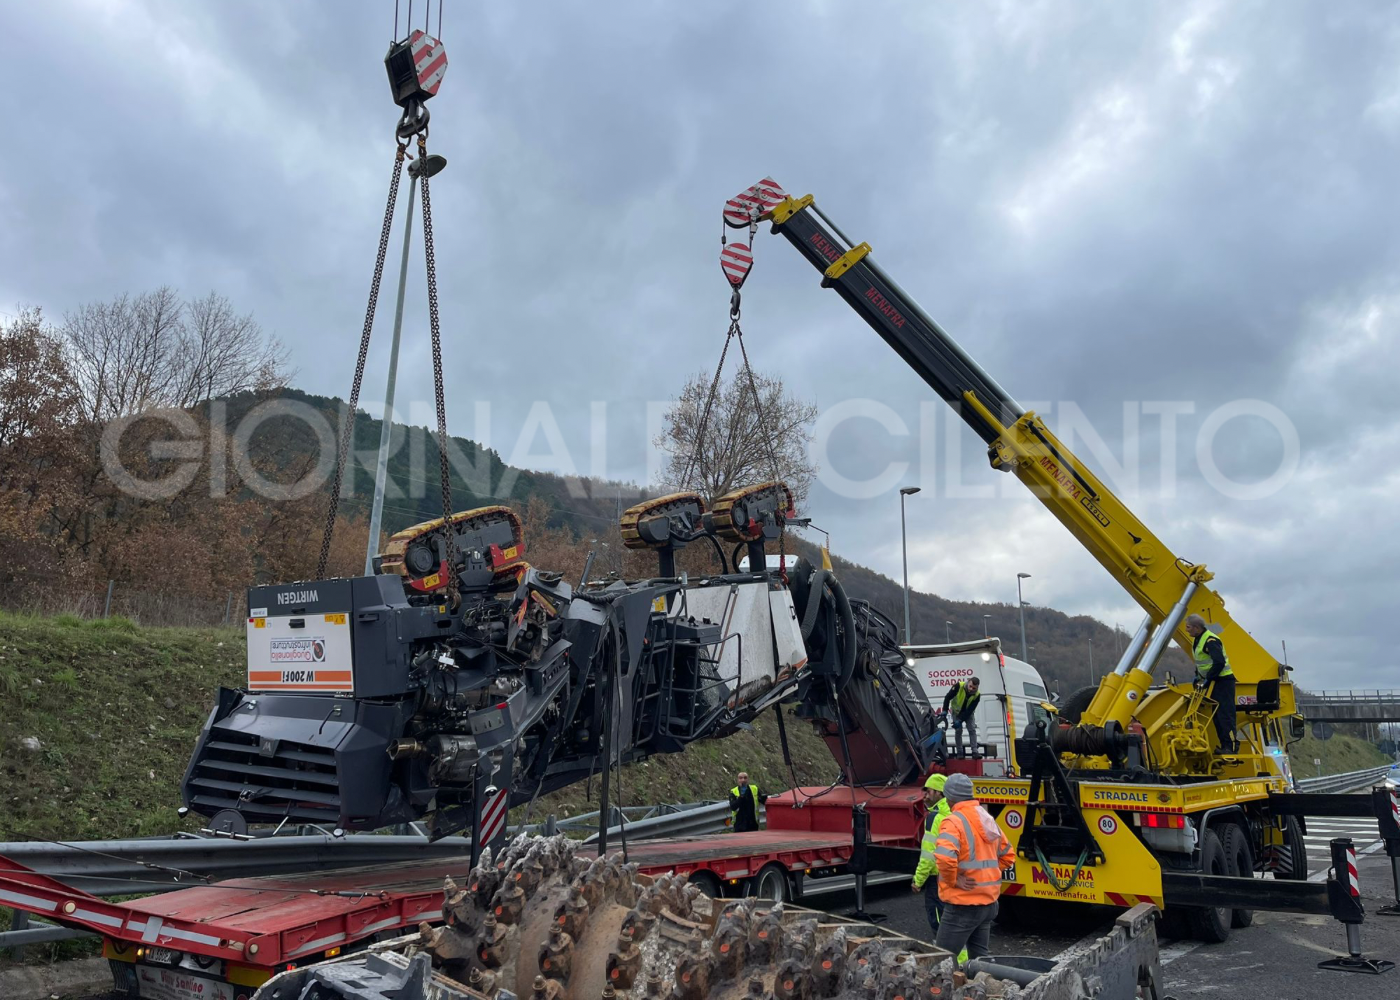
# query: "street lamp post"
(1021, 607)
(984, 626)
(948, 632)
(432, 164)
(904, 546)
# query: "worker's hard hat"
(936, 782)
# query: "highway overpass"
(1350, 706)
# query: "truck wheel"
(708, 882)
(1297, 852)
(1211, 924)
(771, 882)
(1241, 858)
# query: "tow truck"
(1123, 797)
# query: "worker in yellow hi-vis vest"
(1213, 672)
(938, 810)
(744, 800)
(961, 705)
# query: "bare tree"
(121, 351)
(221, 352)
(732, 449)
(153, 350)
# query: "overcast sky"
(1111, 206)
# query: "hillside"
(287, 442)
(116, 709)
(581, 508)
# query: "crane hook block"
(416, 66)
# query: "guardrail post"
(551, 825)
(19, 920)
(1344, 899)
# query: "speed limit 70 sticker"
(1014, 819)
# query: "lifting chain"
(449, 543)
(347, 423)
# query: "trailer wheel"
(1211, 924)
(1241, 859)
(771, 882)
(708, 882)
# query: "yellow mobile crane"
(1124, 797)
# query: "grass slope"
(116, 710)
(1339, 755)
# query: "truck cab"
(1012, 692)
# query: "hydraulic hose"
(848, 622)
(719, 551)
(822, 583)
(815, 588)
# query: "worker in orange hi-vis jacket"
(971, 852)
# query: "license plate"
(161, 956)
(179, 984)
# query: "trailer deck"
(269, 921)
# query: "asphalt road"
(1276, 958)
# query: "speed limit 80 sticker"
(1108, 825)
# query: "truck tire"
(1074, 706)
(1297, 851)
(1241, 858)
(708, 882)
(1211, 924)
(771, 882)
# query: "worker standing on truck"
(938, 811)
(971, 852)
(1213, 672)
(961, 705)
(744, 800)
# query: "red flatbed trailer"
(230, 937)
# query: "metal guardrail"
(1347, 782)
(153, 865)
(696, 821)
(1324, 697)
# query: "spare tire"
(1073, 707)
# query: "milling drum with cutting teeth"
(545, 922)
